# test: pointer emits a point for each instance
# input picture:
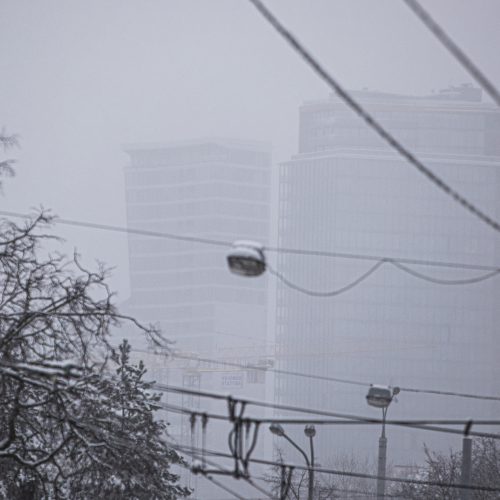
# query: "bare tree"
(346, 486)
(55, 321)
(326, 486)
(6, 165)
(442, 468)
(287, 484)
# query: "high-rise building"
(347, 191)
(214, 189)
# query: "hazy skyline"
(83, 81)
(80, 80)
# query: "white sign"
(232, 380)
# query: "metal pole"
(308, 463)
(311, 470)
(466, 468)
(382, 459)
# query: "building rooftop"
(204, 141)
(463, 96)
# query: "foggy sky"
(81, 79)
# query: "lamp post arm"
(296, 446)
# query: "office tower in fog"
(215, 189)
(346, 191)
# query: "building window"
(256, 376)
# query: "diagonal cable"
(369, 119)
(454, 49)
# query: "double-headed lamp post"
(310, 432)
(380, 396)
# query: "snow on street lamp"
(246, 258)
(380, 396)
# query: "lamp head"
(379, 396)
(310, 431)
(246, 258)
(277, 430)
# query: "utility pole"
(310, 432)
(380, 396)
(382, 460)
(466, 493)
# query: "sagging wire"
(196, 468)
(204, 422)
(354, 418)
(337, 472)
(371, 270)
(242, 438)
(192, 426)
(439, 281)
(223, 487)
(331, 293)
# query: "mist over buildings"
(195, 118)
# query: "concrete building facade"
(211, 189)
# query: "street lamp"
(310, 432)
(246, 258)
(380, 396)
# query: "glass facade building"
(348, 192)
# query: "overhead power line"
(126, 230)
(362, 494)
(438, 281)
(292, 40)
(366, 257)
(208, 477)
(310, 411)
(328, 294)
(426, 425)
(336, 472)
(195, 454)
(282, 250)
(223, 487)
(454, 49)
(250, 366)
(225, 472)
(373, 269)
